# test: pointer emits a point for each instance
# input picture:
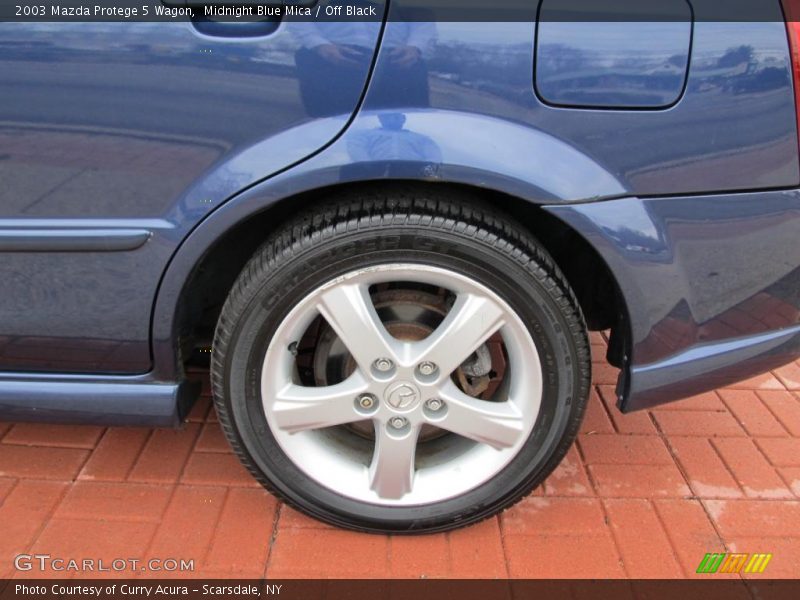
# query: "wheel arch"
(204, 269)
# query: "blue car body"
(142, 163)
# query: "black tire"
(408, 224)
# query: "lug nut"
(397, 422)
(383, 365)
(366, 401)
(434, 404)
(427, 368)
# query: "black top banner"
(401, 10)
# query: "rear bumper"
(709, 366)
(711, 285)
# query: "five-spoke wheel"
(402, 385)
(408, 362)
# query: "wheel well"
(212, 278)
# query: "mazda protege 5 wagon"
(390, 236)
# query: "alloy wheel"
(400, 387)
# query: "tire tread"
(460, 213)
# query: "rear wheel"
(401, 363)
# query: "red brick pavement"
(639, 495)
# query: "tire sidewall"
(299, 270)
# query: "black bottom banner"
(423, 589)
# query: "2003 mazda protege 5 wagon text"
(392, 237)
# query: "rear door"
(117, 138)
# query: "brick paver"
(639, 495)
